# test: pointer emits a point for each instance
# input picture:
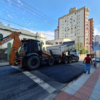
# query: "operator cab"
(30, 46)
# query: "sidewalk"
(86, 87)
(4, 64)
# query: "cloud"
(19, 1)
(10, 16)
(96, 31)
(49, 34)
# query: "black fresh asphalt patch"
(63, 73)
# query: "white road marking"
(44, 85)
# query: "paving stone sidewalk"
(86, 87)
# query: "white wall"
(41, 36)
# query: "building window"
(56, 42)
(75, 34)
(75, 13)
(75, 27)
(70, 18)
(65, 20)
(60, 42)
(1, 36)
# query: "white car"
(96, 59)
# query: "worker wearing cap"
(87, 62)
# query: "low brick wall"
(82, 56)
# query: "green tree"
(81, 48)
(84, 51)
(87, 51)
(76, 46)
(79, 45)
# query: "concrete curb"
(4, 64)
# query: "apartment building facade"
(75, 26)
(90, 36)
(56, 32)
(97, 39)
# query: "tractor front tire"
(33, 62)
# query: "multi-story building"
(57, 33)
(97, 39)
(89, 38)
(75, 26)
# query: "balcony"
(86, 17)
(86, 33)
(86, 28)
(87, 13)
(86, 20)
(87, 39)
(87, 24)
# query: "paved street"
(18, 84)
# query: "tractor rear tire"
(50, 61)
(33, 62)
(65, 60)
(70, 59)
(77, 59)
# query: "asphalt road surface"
(18, 84)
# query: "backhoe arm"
(16, 44)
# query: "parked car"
(96, 59)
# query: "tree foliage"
(81, 48)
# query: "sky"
(42, 15)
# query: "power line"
(12, 22)
(35, 12)
(18, 24)
(26, 11)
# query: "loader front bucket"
(2, 51)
